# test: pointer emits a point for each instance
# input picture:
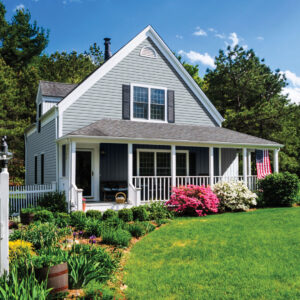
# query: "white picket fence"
(27, 196)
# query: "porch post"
(211, 166)
(245, 165)
(72, 171)
(130, 164)
(276, 164)
(249, 162)
(173, 165)
(220, 161)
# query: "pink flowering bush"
(193, 200)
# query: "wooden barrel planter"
(26, 218)
(57, 277)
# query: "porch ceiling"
(108, 128)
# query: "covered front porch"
(97, 169)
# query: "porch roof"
(109, 128)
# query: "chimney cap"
(107, 39)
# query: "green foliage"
(96, 290)
(55, 202)
(109, 214)
(31, 210)
(136, 229)
(158, 211)
(279, 189)
(113, 223)
(40, 234)
(78, 220)
(87, 263)
(62, 220)
(49, 257)
(96, 214)
(140, 213)
(160, 222)
(149, 227)
(93, 227)
(125, 214)
(24, 288)
(119, 237)
(43, 216)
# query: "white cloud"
(234, 38)
(204, 59)
(200, 32)
(260, 38)
(212, 30)
(220, 36)
(292, 77)
(19, 7)
(294, 89)
(178, 36)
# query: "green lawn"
(253, 255)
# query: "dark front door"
(84, 172)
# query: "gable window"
(149, 103)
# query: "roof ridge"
(47, 81)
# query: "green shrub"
(160, 222)
(109, 214)
(54, 201)
(140, 213)
(137, 230)
(158, 211)
(41, 235)
(149, 227)
(78, 220)
(119, 237)
(113, 223)
(43, 216)
(279, 189)
(62, 219)
(49, 257)
(96, 214)
(31, 210)
(98, 291)
(125, 214)
(93, 227)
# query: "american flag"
(263, 165)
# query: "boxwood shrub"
(279, 189)
(43, 216)
(62, 219)
(140, 213)
(54, 201)
(109, 214)
(93, 227)
(125, 214)
(136, 229)
(96, 214)
(78, 220)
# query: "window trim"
(149, 87)
(139, 150)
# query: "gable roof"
(56, 89)
(124, 129)
(123, 52)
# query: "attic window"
(148, 52)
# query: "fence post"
(4, 207)
(54, 186)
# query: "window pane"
(181, 164)
(140, 102)
(163, 167)
(157, 104)
(146, 164)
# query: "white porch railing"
(76, 198)
(27, 195)
(159, 188)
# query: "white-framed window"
(148, 103)
(157, 162)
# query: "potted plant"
(27, 214)
(52, 266)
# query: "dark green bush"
(62, 219)
(119, 237)
(31, 210)
(78, 220)
(158, 211)
(43, 216)
(96, 214)
(93, 227)
(160, 222)
(113, 223)
(125, 214)
(279, 189)
(136, 229)
(55, 202)
(140, 213)
(109, 214)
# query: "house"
(139, 125)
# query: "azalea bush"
(234, 196)
(193, 200)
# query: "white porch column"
(211, 166)
(72, 171)
(220, 161)
(173, 165)
(245, 165)
(276, 161)
(249, 162)
(130, 164)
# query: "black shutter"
(42, 168)
(171, 106)
(35, 169)
(126, 102)
(63, 160)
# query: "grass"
(253, 255)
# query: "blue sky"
(197, 29)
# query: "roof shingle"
(56, 89)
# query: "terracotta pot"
(26, 218)
(57, 277)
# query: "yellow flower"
(20, 248)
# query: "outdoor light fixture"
(5, 156)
